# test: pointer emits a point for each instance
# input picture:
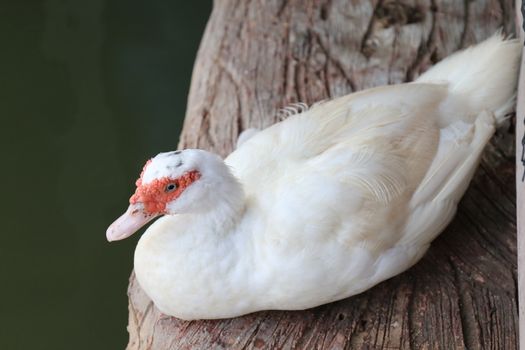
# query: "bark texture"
(259, 56)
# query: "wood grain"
(256, 57)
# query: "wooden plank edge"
(520, 171)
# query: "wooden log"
(256, 57)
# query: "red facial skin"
(155, 195)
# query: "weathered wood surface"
(256, 57)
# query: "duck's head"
(171, 183)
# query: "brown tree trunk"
(256, 57)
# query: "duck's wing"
(435, 201)
(459, 152)
(346, 168)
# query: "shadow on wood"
(257, 57)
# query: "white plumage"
(324, 204)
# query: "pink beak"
(129, 223)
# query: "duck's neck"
(228, 208)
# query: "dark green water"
(88, 91)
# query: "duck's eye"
(170, 187)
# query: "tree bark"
(256, 57)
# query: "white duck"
(323, 205)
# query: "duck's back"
(340, 170)
(394, 123)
